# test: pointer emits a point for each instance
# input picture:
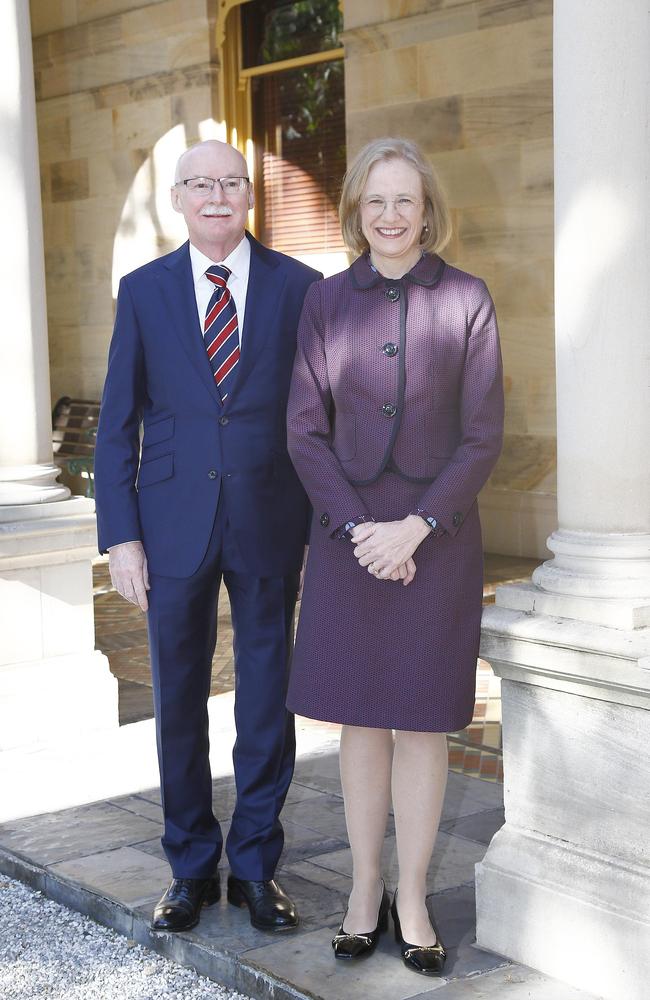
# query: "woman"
(395, 423)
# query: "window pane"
(273, 30)
(299, 136)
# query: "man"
(201, 355)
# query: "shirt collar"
(238, 260)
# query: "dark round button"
(390, 350)
(456, 519)
(392, 294)
(324, 520)
(223, 421)
(212, 474)
(389, 410)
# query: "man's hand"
(127, 564)
(389, 545)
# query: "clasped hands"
(386, 547)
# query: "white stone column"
(602, 314)
(53, 684)
(565, 884)
(27, 474)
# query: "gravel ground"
(48, 951)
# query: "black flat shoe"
(270, 908)
(429, 960)
(359, 945)
(179, 908)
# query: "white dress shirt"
(239, 262)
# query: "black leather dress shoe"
(270, 908)
(429, 960)
(350, 946)
(179, 908)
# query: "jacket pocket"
(155, 471)
(160, 430)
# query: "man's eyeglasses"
(205, 185)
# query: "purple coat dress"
(396, 406)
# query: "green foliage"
(315, 96)
(298, 28)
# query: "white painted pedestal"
(565, 884)
(54, 685)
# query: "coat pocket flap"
(156, 470)
(161, 430)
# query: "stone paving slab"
(511, 983)
(479, 827)
(466, 796)
(308, 962)
(126, 875)
(141, 806)
(74, 832)
(452, 863)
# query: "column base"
(569, 913)
(565, 884)
(27, 484)
(605, 566)
(622, 613)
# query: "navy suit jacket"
(164, 490)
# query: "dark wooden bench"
(74, 429)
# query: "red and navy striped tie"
(220, 330)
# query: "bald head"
(216, 219)
(204, 158)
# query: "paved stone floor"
(105, 859)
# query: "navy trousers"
(182, 624)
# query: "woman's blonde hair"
(436, 232)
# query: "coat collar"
(427, 272)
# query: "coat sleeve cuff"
(344, 531)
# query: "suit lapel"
(265, 284)
(177, 285)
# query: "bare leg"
(419, 782)
(366, 760)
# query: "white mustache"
(217, 210)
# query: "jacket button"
(324, 520)
(456, 519)
(212, 474)
(390, 350)
(223, 421)
(392, 294)
(389, 410)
